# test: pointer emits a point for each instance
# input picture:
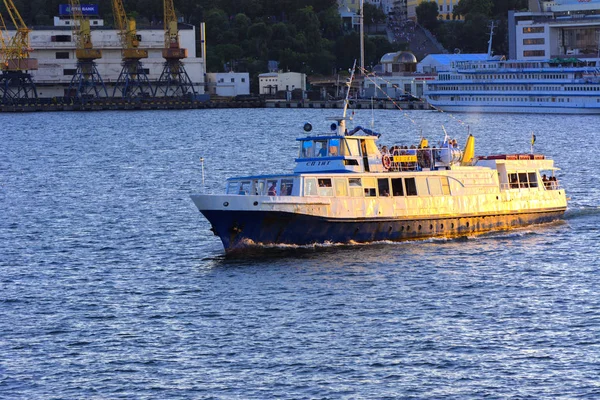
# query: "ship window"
(287, 185)
(353, 146)
(355, 186)
(325, 188)
(341, 188)
(258, 187)
(371, 147)
(411, 187)
(244, 187)
(383, 185)
(334, 147)
(397, 189)
(320, 148)
(232, 187)
(369, 185)
(512, 179)
(523, 180)
(310, 187)
(271, 188)
(532, 179)
(307, 149)
(422, 188)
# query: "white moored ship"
(561, 86)
(346, 189)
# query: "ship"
(555, 86)
(347, 189)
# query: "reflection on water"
(112, 285)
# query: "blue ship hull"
(241, 229)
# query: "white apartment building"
(228, 84)
(559, 28)
(54, 48)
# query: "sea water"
(113, 287)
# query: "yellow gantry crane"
(174, 80)
(15, 81)
(87, 82)
(133, 80)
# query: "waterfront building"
(270, 83)
(54, 48)
(554, 29)
(396, 77)
(228, 84)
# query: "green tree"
(465, 7)
(427, 15)
(372, 14)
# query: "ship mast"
(342, 122)
(489, 53)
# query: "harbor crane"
(87, 82)
(174, 80)
(15, 81)
(133, 80)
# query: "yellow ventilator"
(469, 151)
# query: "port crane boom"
(87, 82)
(174, 80)
(15, 81)
(133, 80)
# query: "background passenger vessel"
(568, 86)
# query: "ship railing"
(548, 185)
(412, 159)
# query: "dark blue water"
(112, 286)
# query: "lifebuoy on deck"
(386, 161)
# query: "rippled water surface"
(113, 287)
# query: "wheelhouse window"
(320, 148)
(307, 149)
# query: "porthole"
(256, 203)
(226, 204)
